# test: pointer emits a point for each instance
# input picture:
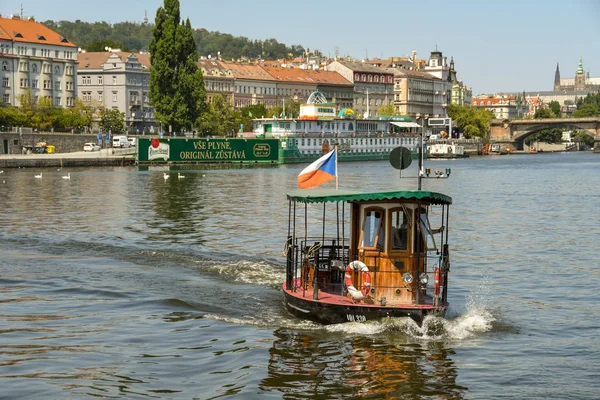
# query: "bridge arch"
(515, 132)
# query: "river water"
(118, 283)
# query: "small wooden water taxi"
(358, 256)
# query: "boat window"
(426, 232)
(399, 230)
(373, 230)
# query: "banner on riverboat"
(182, 150)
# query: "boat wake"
(247, 272)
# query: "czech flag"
(319, 172)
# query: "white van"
(120, 141)
(132, 141)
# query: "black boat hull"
(327, 313)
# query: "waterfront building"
(437, 66)
(504, 106)
(414, 92)
(411, 62)
(298, 84)
(217, 79)
(373, 86)
(253, 85)
(118, 80)
(580, 83)
(36, 61)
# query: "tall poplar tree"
(176, 85)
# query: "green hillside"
(135, 37)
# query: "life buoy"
(436, 282)
(361, 267)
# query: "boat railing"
(326, 257)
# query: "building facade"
(581, 81)
(298, 84)
(373, 86)
(217, 80)
(253, 85)
(120, 81)
(504, 106)
(439, 68)
(414, 92)
(37, 62)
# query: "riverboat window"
(400, 221)
(426, 233)
(373, 236)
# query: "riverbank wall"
(14, 142)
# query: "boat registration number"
(356, 318)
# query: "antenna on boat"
(401, 158)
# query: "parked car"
(91, 147)
(120, 141)
(132, 141)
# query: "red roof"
(30, 31)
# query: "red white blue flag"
(319, 172)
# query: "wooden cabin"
(400, 236)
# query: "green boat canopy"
(331, 195)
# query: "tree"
(582, 137)
(102, 44)
(387, 110)
(248, 113)
(551, 135)
(555, 107)
(292, 109)
(220, 118)
(112, 120)
(541, 113)
(586, 110)
(472, 122)
(176, 85)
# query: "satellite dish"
(400, 158)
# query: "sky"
(498, 46)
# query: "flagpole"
(336, 166)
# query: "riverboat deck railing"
(320, 263)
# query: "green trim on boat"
(329, 195)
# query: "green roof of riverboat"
(332, 195)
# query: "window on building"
(100, 80)
(57, 85)
(114, 96)
(57, 101)
(101, 97)
(4, 66)
(114, 80)
(5, 82)
(35, 84)
(6, 98)
(24, 83)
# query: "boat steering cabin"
(353, 257)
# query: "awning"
(406, 124)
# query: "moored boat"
(359, 256)
(446, 150)
(318, 127)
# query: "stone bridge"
(514, 132)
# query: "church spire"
(580, 66)
(557, 78)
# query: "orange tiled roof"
(247, 71)
(310, 76)
(29, 31)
